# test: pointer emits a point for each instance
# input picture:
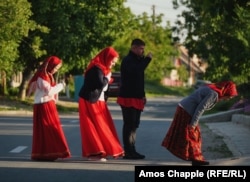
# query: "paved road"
(16, 134)
(16, 138)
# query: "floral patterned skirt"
(181, 141)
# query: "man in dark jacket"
(132, 95)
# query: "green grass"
(156, 89)
(66, 109)
(14, 103)
(153, 89)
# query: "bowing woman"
(49, 142)
(183, 138)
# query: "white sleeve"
(45, 92)
(48, 89)
(56, 89)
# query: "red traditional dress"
(49, 142)
(99, 136)
(98, 132)
(183, 138)
(182, 142)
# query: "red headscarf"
(103, 60)
(43, 72)
(226, 88)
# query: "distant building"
(16, 79)
(194, 65)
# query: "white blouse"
(102, 98)
(45, 92)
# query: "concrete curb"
(234, 126)
(221, 116)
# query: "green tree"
(183, 73)
(15, 24)
(158, 41)
(218, 31)
(73, 30)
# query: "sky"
(161, 6)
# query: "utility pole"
(153, 16)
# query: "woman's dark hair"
(138, 42)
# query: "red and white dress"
(49, 142)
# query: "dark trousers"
(131, 121)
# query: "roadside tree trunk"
(3, 85)
(27, 73)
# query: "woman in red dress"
(183, 138)
(49, 142)
(98, 133)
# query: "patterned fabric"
(181, 141)
(49, 142)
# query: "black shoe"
(134, 155)
(200, 163)
(142, 156)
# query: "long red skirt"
(182, 142)
(98, 133)
(49, 142)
